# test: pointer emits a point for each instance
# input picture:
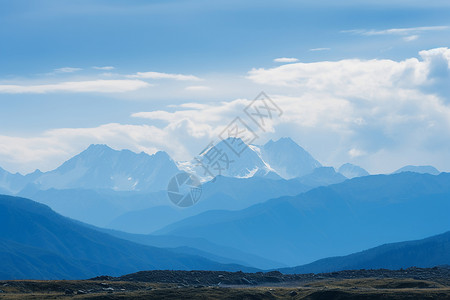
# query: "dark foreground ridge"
(210, 278)
(412, 283)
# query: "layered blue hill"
(37, 243)
(419, 169)
(352, 171)
(336, 220)
(425, 253)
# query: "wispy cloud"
(285, 59)
(67, 70)
(159, 75)
(97, 86)
(320, 49)
(410, 38)
(356, 152)
(105, 68)
(396, 31)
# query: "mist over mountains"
(100, 167)
(331, 220)
(275, 206)
(126, 191)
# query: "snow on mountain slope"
(280, 159)
(220, 159)
(288, 159)
(100, 167)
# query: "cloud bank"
(285, 60)
(158, 75)
(96, 86)
(381, 114)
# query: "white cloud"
(356, 152)
(397, 31)
(98, 86)
(410, 38)
(364, 79)
(440, 54)
(285, 59)
(345, 77)
(67, 70)
(205, 115)
(396, 111)
(158, 75)
(320, 49)
(105, 68)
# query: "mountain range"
(101, 168)
(275, 206)
(233, 158)
(217, 194)
(144, 212)
(127, 191)
(37, 243)
(332, 220)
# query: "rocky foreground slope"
(412, 283)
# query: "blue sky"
(78, 72)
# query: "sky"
(365, 82)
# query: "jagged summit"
(102, 151)
(282, 158)
(288, 159)
(101, 167)
(282, 140)
(230, 157)
(98, 147)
